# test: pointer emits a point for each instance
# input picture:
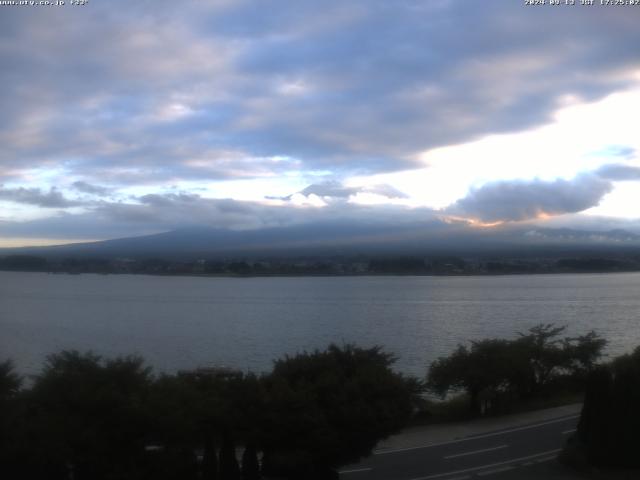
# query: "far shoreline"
(327, 275)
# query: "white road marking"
(495, 470)
(542, 460)
(355, 470)
(567, 432)
(486, 435)
(475, 451)
(483, 467)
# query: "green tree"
(625, 411)
(485, 368)
(541, 349)
(250, 465)
(583, 352)
(610, 419)
(206, 409)
(89, 415)
(542, 357)
(595, 428)
(229, 468)
(520, 368)
(329, 408)
(175, 406)
(10, 381)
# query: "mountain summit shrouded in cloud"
(124, 118)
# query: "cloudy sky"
(123, 118)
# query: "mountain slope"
(327, 239)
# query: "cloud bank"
(334, 190)
(619, 172)
(35, 196)
(219, 90)
(520, 200)
(107, 108)
(91, 189)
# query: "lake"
(245, 323)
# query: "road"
(502, 453)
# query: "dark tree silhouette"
(88, 413)
(594, 428)
(520, 368)
(329, 408)
(10, 381)
(229, 468)
(209, 459)
(543, 355)
(610, 419)
(250, 465)
(583, 352)
(10, 427)
(483, 369)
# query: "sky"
(123, 118)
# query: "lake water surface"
(186, 322)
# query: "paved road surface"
(500, 454)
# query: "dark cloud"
(570, 235)
(593, 223)
(163, 212)
(189, 89)
(35, 196)
(336, 190)
(384, 190)
(619, 172)
(169, 199)
(519, 200)
(154, 213)
(91, 189)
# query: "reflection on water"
(185, 322)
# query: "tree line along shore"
(87, 417)
(339, 266)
